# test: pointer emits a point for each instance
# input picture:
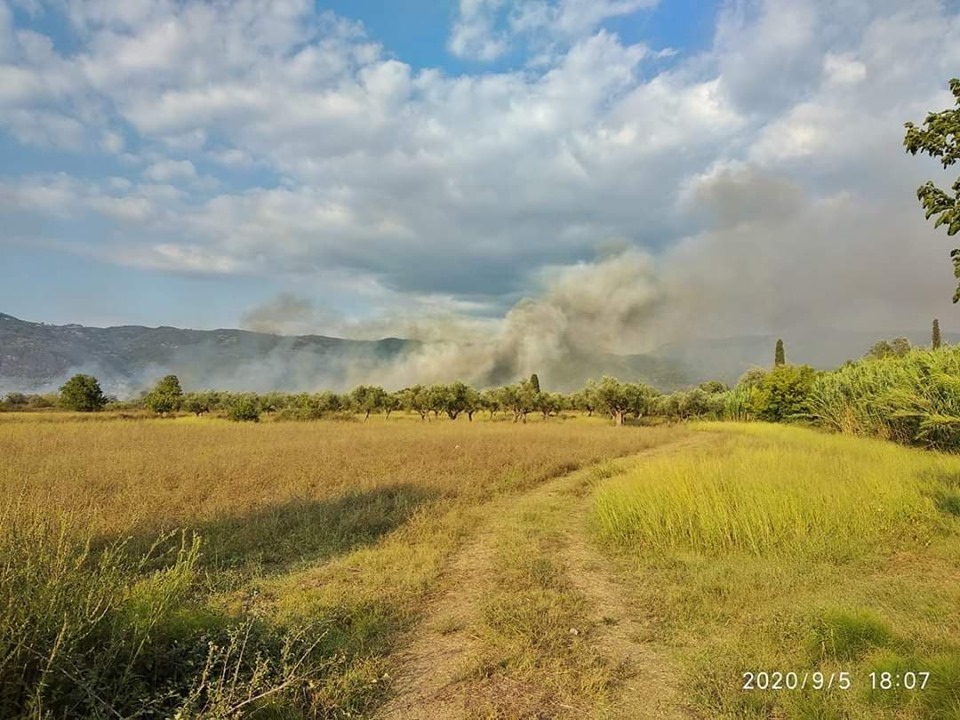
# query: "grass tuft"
(841, 635)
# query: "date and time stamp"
(776, 680)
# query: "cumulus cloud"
(167, 170)
(487, 29)
(473, 34)
(774, 154)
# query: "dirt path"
(623, 635)
(432, 664)
(435, 676)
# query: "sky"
(368, 168)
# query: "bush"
(111, 633)
(244, 409)
(782, 393)
(166, 396)
(82, 393)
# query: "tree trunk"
(470, 415)
(366, 415)
(618, 416)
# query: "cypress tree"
(779, 358)
(935, 343)
(535, 383)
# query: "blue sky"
(394, 168)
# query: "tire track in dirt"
(431, 681)
(433, 663)
(621, 634)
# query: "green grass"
(789, 549)
(842, 635)
(783, 491)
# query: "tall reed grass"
(912, 399)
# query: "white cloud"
(44, 128)
(843, 68)
(571, 19)
(474, 32)
(486, 29)
(463, 187)
(123, 209)
(166, 170)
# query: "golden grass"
(123, 475)
(342, 528)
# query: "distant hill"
(36, 357)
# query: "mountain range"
(37, 357)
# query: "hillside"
(36, 357)
(39, 357)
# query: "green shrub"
(166, 396)
(82, 393)
(782, 393)
(244, 409)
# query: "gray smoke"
(772, 260)
(775, 259)
(583, 312)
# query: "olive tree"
(620, 399)
(520, 399)
(416, 398)
(367, 399)
(490, 401)
(166, 396)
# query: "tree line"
(607, 396)
(900, 378)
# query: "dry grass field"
(342, 528)
(399, 569)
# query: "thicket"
(912, 398)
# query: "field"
(406, 569)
